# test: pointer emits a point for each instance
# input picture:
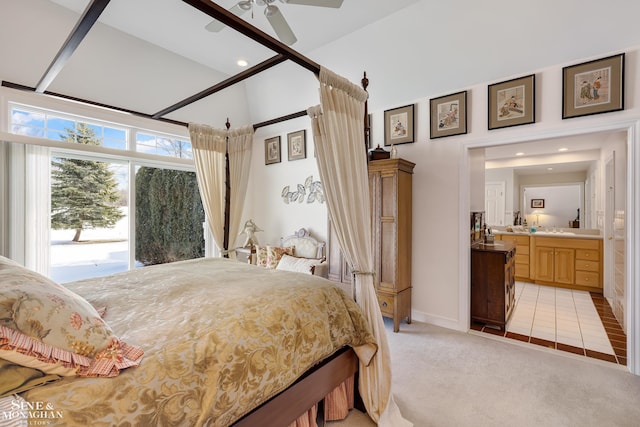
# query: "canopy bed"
(222, 158)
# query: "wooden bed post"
(227, 195)
(367, 129)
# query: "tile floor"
(575, 321)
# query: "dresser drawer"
(587, 254)
(588, 278)
(585, 265)
(387, 303)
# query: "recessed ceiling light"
(519, 154)
(549, 169)
(563, 149)
(242, 63)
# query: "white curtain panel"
(240, 142)
(209, 147)
(338, 134)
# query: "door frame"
(632, 238)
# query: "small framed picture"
(593, 87)
(297, 144)
(448, 115)
(398, 125)
(512, 103)
(272, 150)
(537, 203)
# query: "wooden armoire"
(390, 190)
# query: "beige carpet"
(445, 378)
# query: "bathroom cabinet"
(574, 263)
(493, 282)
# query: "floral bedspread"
(220, 338)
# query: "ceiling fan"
(274, 15)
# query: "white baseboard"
(436, 320)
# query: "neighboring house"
(404, 66)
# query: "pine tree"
(84, 193)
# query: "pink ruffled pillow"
(44, 325)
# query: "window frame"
(31, 253)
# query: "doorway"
(631, 139)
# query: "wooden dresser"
(390, 190)
(493, 282)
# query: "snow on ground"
(100, 252)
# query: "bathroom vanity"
(561, 259)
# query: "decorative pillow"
(301, 265)
(45, 326)
(274, 253)
(261, 256)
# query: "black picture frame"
(537, 203)
(399, 125)
(512, 102)
(297, 145)
(448, 115)
(272, 150)
(581, 97)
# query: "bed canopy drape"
(337, 127)
(210, 147)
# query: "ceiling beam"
(264, 65)
(89, 17)
(243, 27)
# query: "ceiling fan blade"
(216, 26)
(281, 27)
(321, 3)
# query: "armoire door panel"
(388, 195)
(387, 254)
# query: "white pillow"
(301, 265)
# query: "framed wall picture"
(448, 115)
(593, 87)
(537, 203)
(297, 145)
(398, 125)
(272, 150)
(512, 102)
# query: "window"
(49, 125)
(163, 145)
(88, 236)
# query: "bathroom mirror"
(554, 206)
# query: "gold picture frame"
(297, 145)
(448, 115)
(272, 150)
(398, 125)
(512, 102)
(593, 87)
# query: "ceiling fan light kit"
(274, 15)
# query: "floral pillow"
(45, 326)
(274, 253)
(261, 256)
